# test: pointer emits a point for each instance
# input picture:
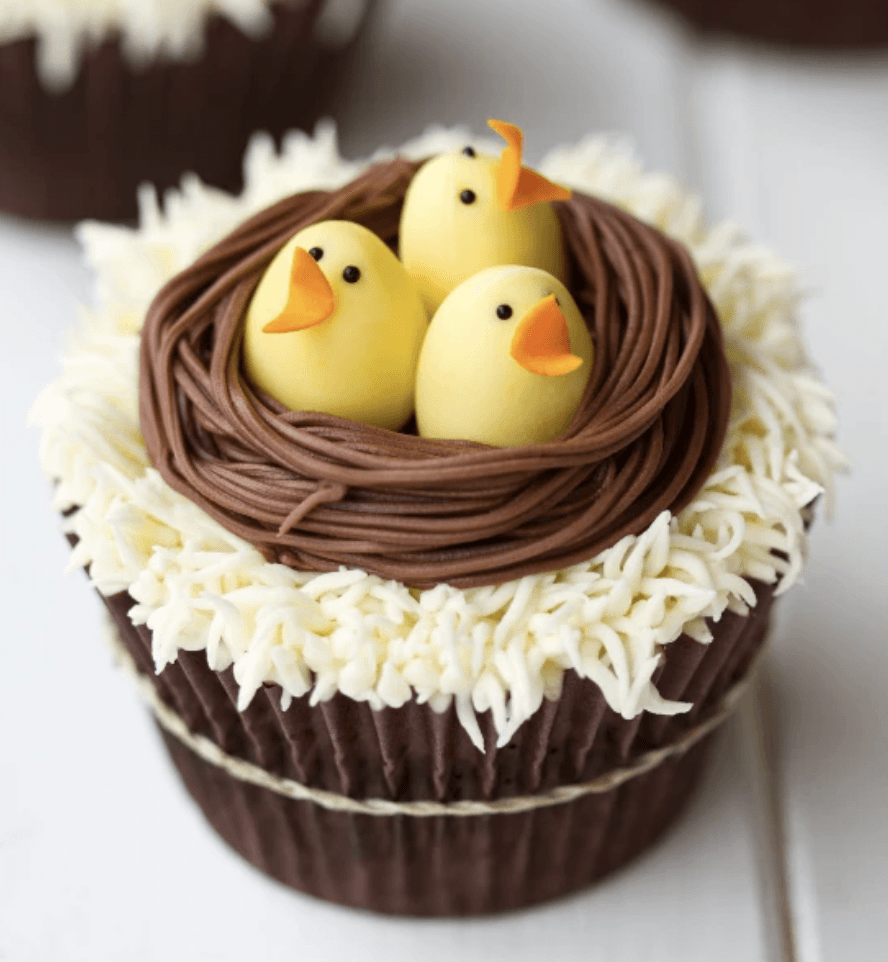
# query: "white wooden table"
(784, 852)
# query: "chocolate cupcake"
(810, 23)
(434, 677)
(97, 99)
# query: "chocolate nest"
(315, 491)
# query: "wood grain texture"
(797, 145)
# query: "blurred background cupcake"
(813, 23)
(97, 97)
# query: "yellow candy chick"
(505, 361)
(464, 212)
(336, 325)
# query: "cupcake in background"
(99, 96)
(809, 23)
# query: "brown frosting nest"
(315, 492)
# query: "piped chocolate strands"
(315, 492)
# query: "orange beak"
(541, 343)
(311, 299)
(519, 186)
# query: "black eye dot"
(467, 197)
(469, 151)
(351, 274)
(504, 312)
(317, 253)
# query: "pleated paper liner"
(439, 865)
(83, 152)
(443, 864)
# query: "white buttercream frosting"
(149, 29)
(502, 648)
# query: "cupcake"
(809, 23)
(98, 98)
(431, 676)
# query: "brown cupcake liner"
(826, 24)
(439, 865)
(444, 864)
(84, 151)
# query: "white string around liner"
(246, 771)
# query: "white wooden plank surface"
(810, 176)
(795, 150)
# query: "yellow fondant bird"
(505, 361)
(464, 212)
(336, 325)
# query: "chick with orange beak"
(505, 361)
(466, 211)
(336, 325)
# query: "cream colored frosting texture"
(149, 29)
(502, 648)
